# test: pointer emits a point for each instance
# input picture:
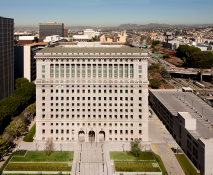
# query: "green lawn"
(40, 156)
(38, 167)
(30, 134)
(135, 166)
(186, 165)
(129, 156)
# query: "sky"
(101, 13)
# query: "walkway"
(91, 159)
(170, 161)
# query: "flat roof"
(91, 50)
(186, 115)
(169, 99)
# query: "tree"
(136, 148)
(4, 144)
(49, 147)
(31, 110)
(20, 81)
(15, 128)
(155, 84)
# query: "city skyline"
(99, 13)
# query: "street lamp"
(202, 111)
(192, 103)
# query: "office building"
(6, 57)
(189, 120)
(25, 63)
(90, 93)
(51, 28)
(114, 37)
(65, 32)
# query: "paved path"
(171, 163)
(90, 159)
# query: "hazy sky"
(107, 12)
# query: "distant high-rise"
(6, 57)
(51, 28)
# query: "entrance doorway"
(91, 136)
(101, 136)
(81, 136)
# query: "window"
(51, 70)
(110, 71)
(104, 70)
(78, 70)
(43, 131)
(140, 69)
(67, 70)
(83, 70)
(94, 70)
(73, 70)
(89, 70)
(126, 70)
(62, 70)
(121, 71)
(43, 68)
(115, 70)
(131, 70)
(56, 70)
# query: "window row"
(110, 124)
(94, 110)
(94, 98)
(91, 116)
(67, 131)
(94, 91)
(92, 104)
(90, 70)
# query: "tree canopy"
(4, 144)
(23, 95)
(16, 128)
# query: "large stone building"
(51, 28)
(121, 38)
(85, 94)
(190, 121)
(6, 57)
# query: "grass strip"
(186, 165)
(30, 134)
(40, 156)
(135, 167)
(114, 155)
(38, 167)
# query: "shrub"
(30, 135)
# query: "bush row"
(30, 134)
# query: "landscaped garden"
(137, 161)
(39, 161)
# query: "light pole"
(81, 147)
(177, 93)
(202, 111)
(80, 156)
(102, 156)
(103, 167)
(79, 167)
(192, 103)
(184, 98)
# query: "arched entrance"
(101, 136)
(91, 136)
(81, 136)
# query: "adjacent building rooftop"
(177, 101)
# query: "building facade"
(51, 28)
(189, 121)
(6, 56)
(25, 63)
(92, 93)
